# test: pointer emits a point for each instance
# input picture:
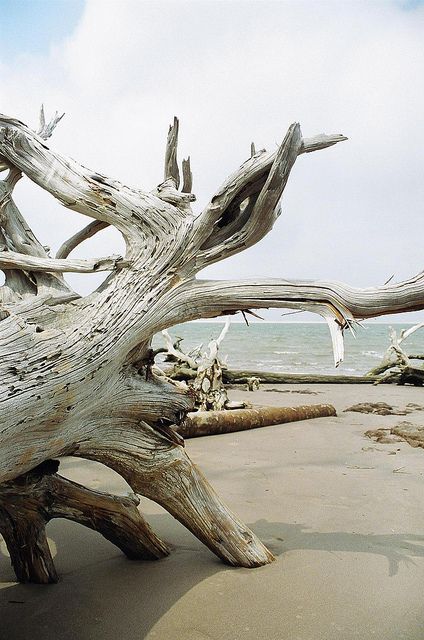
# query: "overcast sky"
(235, 72)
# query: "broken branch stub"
(77, 372)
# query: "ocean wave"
(286, 353)
(373, 354)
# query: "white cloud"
(237, 71)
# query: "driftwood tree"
(76, 372)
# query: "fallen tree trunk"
(270, 377)
(233, 376)
(208, 423)
(77, 373)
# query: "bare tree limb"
(46, 129)
(17, 236)
(13, 260)
(231, 222)
(132, 211)
(88, 232)
(338, 303)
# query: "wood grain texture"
(77, 374)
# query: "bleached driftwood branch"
(84, 234)
(13, 260)
(77, 374)
(396, 364)
(177, 353)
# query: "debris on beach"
(403, 432)
(379, 408)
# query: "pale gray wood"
(77, 375)
(187, 176)
(171, 163)
(13, 260)
(74, 241)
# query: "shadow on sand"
(103, 595)
(396, 547)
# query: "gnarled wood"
(28, 503)
(77, 374)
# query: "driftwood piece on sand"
(77, 373)
(206, 423)
(232, 376)
(205, 371)
(396, 365)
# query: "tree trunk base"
(28, 503)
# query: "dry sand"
(343, 515)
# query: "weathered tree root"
(207, 423)
(29, 502)
(77, 374)
(162, 471)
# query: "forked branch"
(245, 208)
(30, 502)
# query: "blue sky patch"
(32, 26)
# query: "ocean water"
(293, 347)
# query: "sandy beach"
(343, 515)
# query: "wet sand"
(343, 515)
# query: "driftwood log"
(76, 373)
(207, 423)
(239, 376)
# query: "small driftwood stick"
(208, 423)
